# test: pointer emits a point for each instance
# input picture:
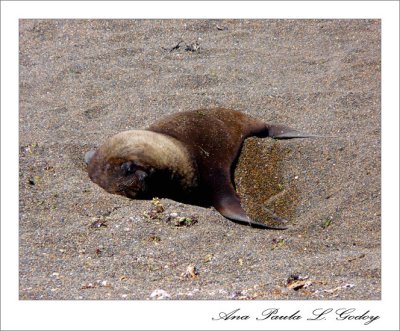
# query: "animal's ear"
(285, 132)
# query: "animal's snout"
(89, 156)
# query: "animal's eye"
(128, 167)
(140, 174)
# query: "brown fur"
(186, 156)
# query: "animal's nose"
(89, 156)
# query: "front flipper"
(227, 203)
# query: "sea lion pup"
(187, 157)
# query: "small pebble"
(105, 283)
(160, 295)
(348, 286)
(191, 272)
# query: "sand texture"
(82, 81)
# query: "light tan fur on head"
(153, 149)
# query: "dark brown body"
(214, 139)
(209, 141)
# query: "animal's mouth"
(131, 194)
(136, 188)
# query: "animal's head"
(123, 164)
(131, 163)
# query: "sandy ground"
(82, 81)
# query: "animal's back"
(213, 136)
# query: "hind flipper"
(276, 131)
(285, 132)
